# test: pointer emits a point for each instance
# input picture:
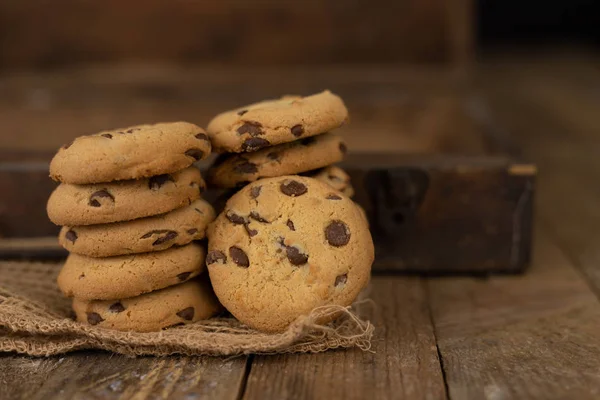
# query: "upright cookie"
(124, 200)
(335, 177)
(272, 122)
(176, 305)
(178, 227)
(284, 246)
(130, 153)
(284, 159)
(118, 277)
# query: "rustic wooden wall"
(43, 33)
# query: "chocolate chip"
(156, 182)
(94, 318)
(256, 216)
(297, 130)
(186, 313)
(255, 143)
(251, 127)
(116, 307)
(100, 194)
(214, 256)
(196, 154)
(82, 275)
(337, 233)
(239, 256)
(341, 279)
(246, 167)
(242, 112)
(168, 235)
(192, 231)
(255, 191)
(234, 218)
(333, 197)
(295, 256)
(274, 156)
(343, 148)
(308, 141)
(71, 235)
(183, 276)
(251, 232)
(293, 188)
(107, 135)
(202, 136)
(290, 225)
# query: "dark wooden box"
(444, 190)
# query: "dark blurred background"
(72, 67)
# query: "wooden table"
(535, 335)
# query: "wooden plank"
(100, 375)
(269, 32)
(403, 362)
(529, 336)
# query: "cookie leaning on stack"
(129, 202)
(284, 246)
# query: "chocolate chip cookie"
(284, 159)
(118, 277)
(130, 153)
(335, 177)
(123, 200)
(176, 305)
(264, 124)
(283, 246)
(160, 232)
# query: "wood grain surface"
(402, 364)
(530, 336)
(100, 375)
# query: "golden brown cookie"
(130, 153)
(272, 122)
(118, 277)
(284, 159)
(176, 305)
(284, 246)
(335, 177)
(175, 228)
(123, 200)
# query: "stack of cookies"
(285, 244)
(130, 206)
(279, 137)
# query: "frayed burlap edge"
(37, 326)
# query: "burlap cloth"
(35, 319)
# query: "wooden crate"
(444, 189)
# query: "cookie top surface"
(175, 228)
(335, 177)
(101, 203)
(284, 159)
(272, 122)
(130, 153)
(173, 306)
(284, 246)
(118, 277)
